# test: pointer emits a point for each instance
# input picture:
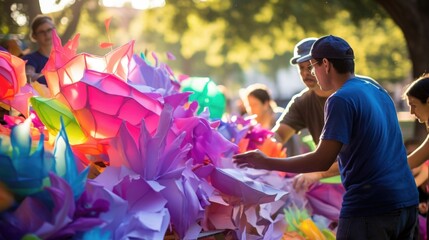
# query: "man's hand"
(253, 159)
(303, 181)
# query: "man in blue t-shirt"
(362, 129)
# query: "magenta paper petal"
(252, 218)
(144, 200)
(118, 206)
(252, 213)
(203, 171)
(12, 75)
(234, 182)
(326, 200)
(138, 226)
(12, 78)
(171, 56)
(65, 67)
(423, 229)
(59, 56)
(32, 215)
(146, 215)
(174, 155)
(164, 165)
(111, 176)
(124, 151)
(276, 228)
(151, 156)
(168, 155)
(207, 142)
(20, 102)
(190, 111)
(35, 217)
(64, 205)
(177, 100)
(101, 113)
(158, 78)
(260, 217)
(183, 202)
(220, 216)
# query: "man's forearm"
(332, 171)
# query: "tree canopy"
(220, 38)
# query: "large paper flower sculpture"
(152, 78)
(63, 208)
(58, 218)
(326, 199)
(249, 136)
(143, 214)
(36, 127)
(248, 203)
(235, 128)
(12, 79)
(65, 164)
(50, 111)
(208, 144)
(207, 94)
(163, 167)
(97, 92)
(100, 102)
(23, 167)
(299, 222)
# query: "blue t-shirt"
(38, 61)
(373, 161)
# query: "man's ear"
(325, 61)
(326, 65)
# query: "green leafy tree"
(216, 37)
(262, 34)
(19, 14)
(413, 19)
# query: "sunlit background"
(50, 6)
(231, 41)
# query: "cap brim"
(293, 60)
(304, 58)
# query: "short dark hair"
(341, 65)
(261, 94)
(37, 21)
(419, 88)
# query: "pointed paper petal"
(106, 45)
(66, 165)
(233, 182)
(50, 111)
(326, 200)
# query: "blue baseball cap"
(302, 48)
(330, 47)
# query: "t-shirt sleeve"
(292, 116)
(338, 121)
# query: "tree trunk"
(413, 19)
(76, 9)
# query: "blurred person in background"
(13, 45)
(41, 33)
(259, 103)
(420, 176)
(417, 97)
